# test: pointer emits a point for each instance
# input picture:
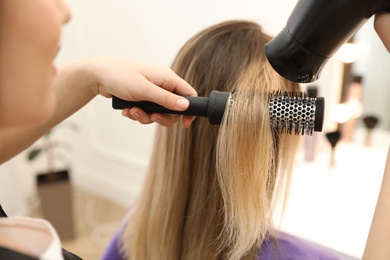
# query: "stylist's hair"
(210, 190)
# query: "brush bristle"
(370, 121)
(292, 113)
(333, 137)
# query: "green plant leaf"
(34, 153)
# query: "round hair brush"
(289, 112)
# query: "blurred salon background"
(331, 201)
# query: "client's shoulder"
(287, 247)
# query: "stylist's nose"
(64, 11)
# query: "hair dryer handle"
(385, 7)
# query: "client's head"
(210, 189)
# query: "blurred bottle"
(354, 102)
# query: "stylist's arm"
(79, 82)
(147, 83)
(382, 27)
(131, 81)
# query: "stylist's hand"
(382, 27)
(136, 82)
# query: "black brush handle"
(197, 107)
(212, 107)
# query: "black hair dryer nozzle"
(314, 31)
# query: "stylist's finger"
(159, 88)
(168, 120)
(187, 120)
(165, 120)
(171, 90)
(169, 80)
(139, 115)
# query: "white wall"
(109, 153)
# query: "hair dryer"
(314, 31)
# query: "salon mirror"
(364, 89)
(373, 65)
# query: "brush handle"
(367, 141)
(212, 107)
(197, 107)
(310, 147)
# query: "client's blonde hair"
(210, 189)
